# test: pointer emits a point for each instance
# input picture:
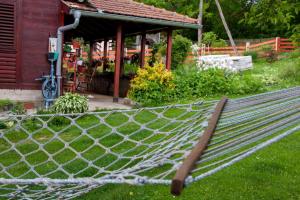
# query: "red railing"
(278, 44)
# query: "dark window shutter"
(8, 42)
(7, 25)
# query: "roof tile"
(131, 8)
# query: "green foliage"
(18, 109)
(294, 54)
(152, 85)
(2, 125)
(243, 84)
(190, 83)
(253, 54)
(5, 102)
(211, 39)
(258, 19)
(291, 71)
(181, 47)
(195, 83)
(212, 82)
(131, 69)
(155, 50)
(233, 11)
(67, 48)
(70, 103)
(295, 37)
(274, 17)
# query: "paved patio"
(35, 100)
(97, 101)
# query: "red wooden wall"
(35, 21)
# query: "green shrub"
(291, 71)
(157, 86)
(131, 69)
(152, 85)
(71, 103)
(246, 84)
(5, 102)
(156, 56)
(18, 109)
(180, 50)
(2, 125)
(195, 83)
(294, 54)
(211, 39)
(253, 54)
(295, 37)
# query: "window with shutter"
(7, 25)
(8, 41)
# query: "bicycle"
(49, 86)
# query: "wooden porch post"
(122, 70)
(143, 48)
(62, 23)
(105, 55)
(169, 50)
(91, 57)
(117, 63)
(105, 49)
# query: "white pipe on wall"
(60, 31)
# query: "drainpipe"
(60, 31)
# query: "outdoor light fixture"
(80, 1)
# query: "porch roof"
(129, 10)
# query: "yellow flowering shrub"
(152, 85)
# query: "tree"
(233, 11)
(273, 17)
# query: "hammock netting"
(57, 156)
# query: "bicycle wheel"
(49, 91)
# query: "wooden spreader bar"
(195, 155)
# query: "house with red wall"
(26, 25)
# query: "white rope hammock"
(65, 156)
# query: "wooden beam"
(226, 28)
(143, 50)
(200, 22)
(122, 70)
(169, 50)
(105, 54)
(195, 155)
(117, 63)
(105, 48)
(91, 52)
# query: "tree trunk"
(200, 17)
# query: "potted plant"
(76, 43)
(67, 48)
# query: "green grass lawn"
(272, 173)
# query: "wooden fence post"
(248, 46)
(277, 44)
